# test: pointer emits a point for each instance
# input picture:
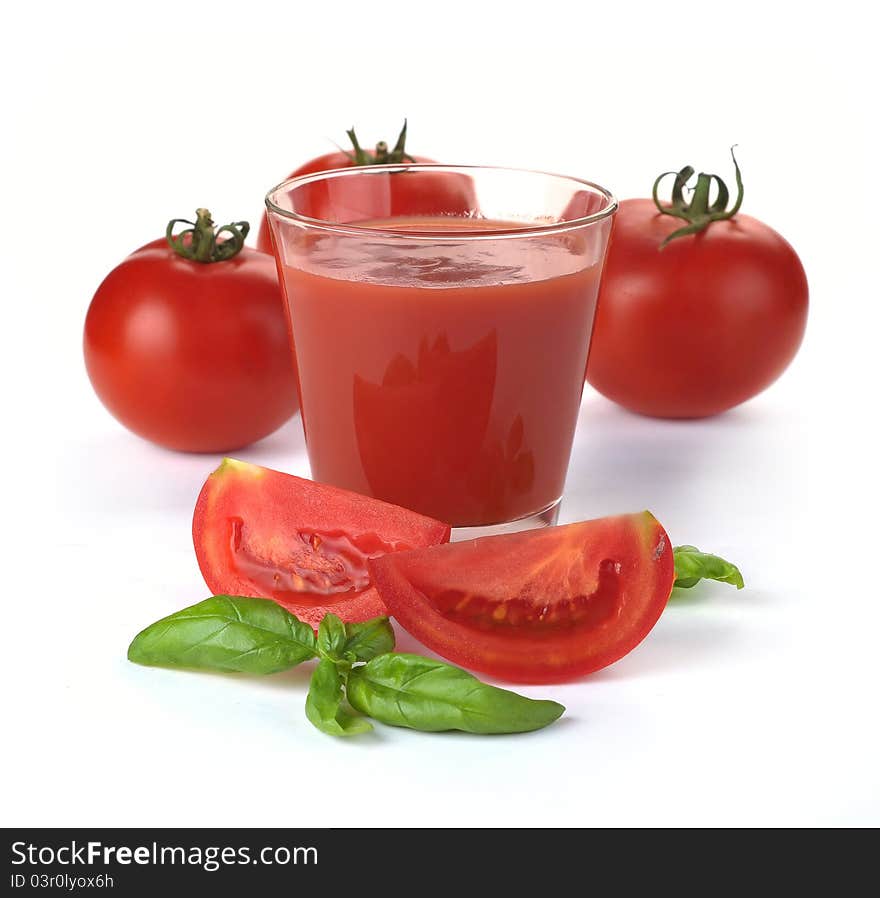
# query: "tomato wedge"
(541, 606)
(259, 532)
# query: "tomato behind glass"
(694, 318)
(443, 193)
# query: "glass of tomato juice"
(441, 318)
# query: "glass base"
(546, 517)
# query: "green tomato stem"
(202, 242)
(698, 213)
(381, 155)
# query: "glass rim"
(528, 230)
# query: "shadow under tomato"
(120, 473)
(624, 462)
(682, 645)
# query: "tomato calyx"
(699, 213)
(381, 155)
(202, 242)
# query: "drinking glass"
(441, 318)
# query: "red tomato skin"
(447, 193)
(540, 566)
(277, 510)
(700, 326)
(193, 356)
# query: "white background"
(752, 707)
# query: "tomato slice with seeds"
(540, 606)
(259, 532)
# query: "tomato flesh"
(306, 545)
(539, 606)
(523, 618)
(319, 564)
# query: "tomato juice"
(441, 368)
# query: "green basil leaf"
(228, 633)
(411, 691)
(692, 565)
(331, 638)
(366, 640)
(324, 703)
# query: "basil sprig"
(325, 706)
(692, 565)
(332, 638)
(357, 670)
(410, 691)
(369, 639)
(227, 633)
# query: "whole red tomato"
(700, 308)
(438, 193)
(186, 341)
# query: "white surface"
(756, 707)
